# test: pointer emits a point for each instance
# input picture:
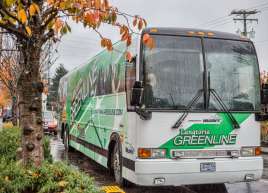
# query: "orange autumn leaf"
(22, 16)
(97, 4)
(89, 18)
(28, 30)
(106, 3)
(124, 37)
(4, 96)
(151, 43)
(145, 38)
(123, 29)
(109, 45)
(129, 41)
(128, 56)
(103, 42)
(148, 41)
(50, 2)
(34, 8)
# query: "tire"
(66, 142)
(117, 165)
(209, 188)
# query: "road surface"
(102, 178)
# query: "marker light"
(191, 33)
(149, 153)
(250, 151)
(201, 33)
(210, 34)
(154, 30)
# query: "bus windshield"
(174, 73)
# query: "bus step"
(112, 189)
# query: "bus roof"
(178, 31)
(194, 32)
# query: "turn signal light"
(151, 153)
(144, 153)
(258, 151)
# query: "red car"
(50, 123)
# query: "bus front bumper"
(187, 171)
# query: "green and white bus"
(184, 112)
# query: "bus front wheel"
(117, 165)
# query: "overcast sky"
(79, 46)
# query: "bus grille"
(204, 153)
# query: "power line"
(213, 21)
(220, 24)
(257, 6)
(218, 20)
(243, 16)
(227, 20)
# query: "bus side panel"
(96, 103)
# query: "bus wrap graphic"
(203, 135)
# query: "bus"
(182, 113)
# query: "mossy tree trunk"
(30, 90)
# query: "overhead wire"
(228, 18)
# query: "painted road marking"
(112, 189)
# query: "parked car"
(7, 115)
(50, 123)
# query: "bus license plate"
(208, 167)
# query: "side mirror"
(264, 94)
(137, 92)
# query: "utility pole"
(242, 15)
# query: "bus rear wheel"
(66, 142)
(117, 166)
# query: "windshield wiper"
(223, 106)
(189, 106)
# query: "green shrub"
(13, 178)
(46, 145)
(10, 139)
(9, 142)
(49, 178)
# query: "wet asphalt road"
(102, 177)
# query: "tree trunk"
(30, 91)
(14, 109)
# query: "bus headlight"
(250, 151)
(150, 153)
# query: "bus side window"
(130, 80)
